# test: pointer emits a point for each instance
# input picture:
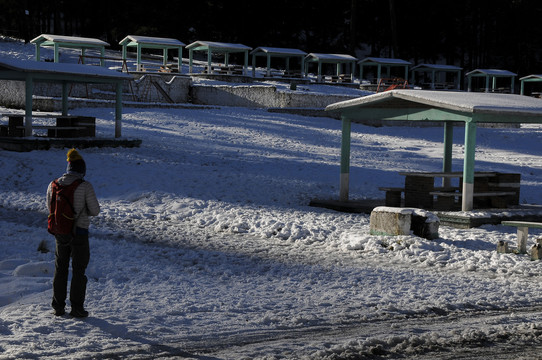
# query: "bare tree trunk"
(393, 28)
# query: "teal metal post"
(190, 60)
(38, 52)
(56, 58)
(319, 71)
(118, 110)
(448, 148)
(245, 68)
(487, 83)
(180, 59)
(209, 62)
(345, 159)
(102, 54)
(406, 72)
(521, 91)
(138, 57)
(83, 56)
(164, 56)
(268, 64)
(64, 98)
(468, 166)
(29, 89)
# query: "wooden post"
(468, 166)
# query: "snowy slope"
(206, 247)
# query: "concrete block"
(402, 221)
(390, 221)
(502, 247)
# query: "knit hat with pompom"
(76, 164)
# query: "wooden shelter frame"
(211, 47)
(491, 75)
(528, 79)
(337, 59)
(270, 52)
(65, 74)
(383, 64)
(435, 69)
(72, 42)
(148, 42)
(446, 107)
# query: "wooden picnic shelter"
(271, 52)
(65, 74)
(336, 59)
(385, 64)
(491, 75)
(72, 42)
(449, 108)
(439, 70)
(225, 49)
(530, 79)
(148, 42)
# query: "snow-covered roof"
(217, 46)
(490, 72)
(532, 77)
(384, 61)
(330, 57)
(76, 41)
(60, 69)
(133, 40)
(441, 67)
(262, 50)
(468, 103)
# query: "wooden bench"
(393, 195)
(66, 126)
(523, 232)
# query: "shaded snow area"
(206, 248)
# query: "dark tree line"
(469, 33)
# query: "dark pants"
(78, 249)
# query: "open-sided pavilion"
(437, 70)
(491, 75)
(446, 107)
(72, 42)
(273, 52)
(148, 42)
(212, 47)
(383, 64)
(33, 71)
(337, 59)
(529, 79)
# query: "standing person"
(76, 245)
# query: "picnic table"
(424, 190)
(66, 126)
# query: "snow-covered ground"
(206, 247)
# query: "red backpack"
(61, 219)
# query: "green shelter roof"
(383, 61)
(425, 105)
(17, 69)
(491, 72)
(148, 41)
(437, 67)
(330, 58)
(217, 46)
(68, 41)
(285, 52)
